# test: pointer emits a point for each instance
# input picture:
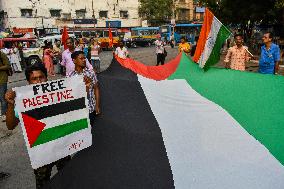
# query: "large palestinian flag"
(176, 126)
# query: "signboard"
(23, 30)
(164, 30)
(54, 118)
(200, 9)
(85, 21)
(144, 23)
(113, 24)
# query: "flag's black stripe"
(128, 151)
(56, 109)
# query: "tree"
(279, 4)
(156, 11)
(240, 11)
(248, 13)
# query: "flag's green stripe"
(214, 57)
(61, 131)
(254, 100)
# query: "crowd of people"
(269, 60)
(79, 58)
(237, 55)
(75, 62)
(57, 60)
(83, 58)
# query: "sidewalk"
(16, 77)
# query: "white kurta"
(15, 59)
(6, 51)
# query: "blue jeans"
(3, 90)
(96, 64)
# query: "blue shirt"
(86, 51)
(268, 58)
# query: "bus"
(145, 32)
(101, 34)
(189, 31)
(144, 36)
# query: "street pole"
(42, 22)
(93, 13)
(174, 7)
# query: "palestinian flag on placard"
(212, 36)
(49, 123)
(174, 126)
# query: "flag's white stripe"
(206, 147)
(210, 42)
(62, 147)
(65, 118)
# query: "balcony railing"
(182, 18)
(184, 5)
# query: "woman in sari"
(48, 59)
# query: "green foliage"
(279, 4)
(156, 10)
(242, 11)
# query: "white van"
(40, 42)
(33, 55)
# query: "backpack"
(9, 71)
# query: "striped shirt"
(91, 94)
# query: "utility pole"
(174, 7)
(93, 16)
(93, 9)
(174, 18)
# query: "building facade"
(199, 11)
(71, 13)
(184, 10)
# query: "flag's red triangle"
(33, 128)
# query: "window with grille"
(55, 13)
(123, 14)
(103, 14)
(81, 13)
(66, 16)
(26, 13)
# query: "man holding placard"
(53, 117)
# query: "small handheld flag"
(110, 37)
(212, 36)
(65, 36)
